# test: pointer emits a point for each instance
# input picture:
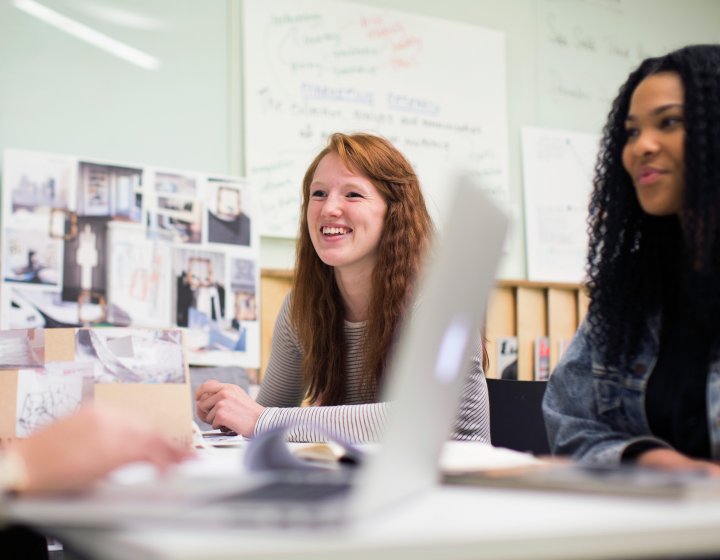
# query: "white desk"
(448, 522)
(451, 523)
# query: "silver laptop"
(425, 381)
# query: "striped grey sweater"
(282, 392)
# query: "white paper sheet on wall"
(557, 177)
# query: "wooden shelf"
(517, 308)
(528, 310)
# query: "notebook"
(425, 380)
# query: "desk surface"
(451, 523)
(447, 522)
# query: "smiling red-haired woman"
(364, 233)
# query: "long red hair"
(317, 308)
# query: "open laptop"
(424, 386)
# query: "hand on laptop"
(225, 405)
(83, 448)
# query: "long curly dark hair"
(633, 256)
(317, 308)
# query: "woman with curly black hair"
(641, 380)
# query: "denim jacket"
(594, 412)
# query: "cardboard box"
(45, 374)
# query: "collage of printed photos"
(50, 390)
(87, 243)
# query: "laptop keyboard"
(283, 491)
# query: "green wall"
(59, 94)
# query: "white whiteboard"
(587, 49)
(557, 177)
(436, 89)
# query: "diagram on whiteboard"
(318, 67)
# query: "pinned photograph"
(36, 182)
(22, 348)
(31, 257)
(85, 265)
(173, 208)
(176, 219)
(229, 209)
(109, 190)
(139, 276)
(132, 355)
(243, 283)
(167, 182)
(21, 306)
(200, 288)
